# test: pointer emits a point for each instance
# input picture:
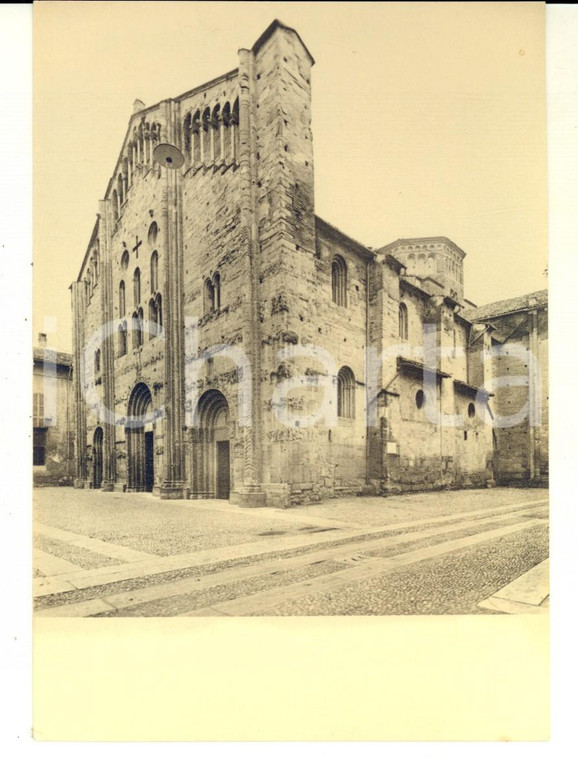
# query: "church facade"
(229, 343)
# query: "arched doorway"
(212, 458)
(140, 439)
(97, 458)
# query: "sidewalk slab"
(527, 594)
(50, 565)
(105, 548)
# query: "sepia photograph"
(257, 413)
(290, 311)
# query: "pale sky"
(428, 119)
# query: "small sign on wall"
(392, 447)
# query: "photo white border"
(16, 240)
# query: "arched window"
(120, 190)
(147, 143)
(115, 204)
(339, 281)
(130, 152)
(235, 128)
(125, 175)
(137, 328)
(216, 125)
(136, 286)
(346, 393)
(217, 288)
(154, 272)
(187, 135)
(153, 232)
(97, 361)
(122, 339)
(140, 144)
(403, 322)
(206, 137)
(136, 340)
(124, 259)
(421, 263)
(140, 326)
(196, 138)
(121, 299)
(159, 305)
(156, 315)
(153, 316)
(226, 116)
(209, 296)
(95, 263)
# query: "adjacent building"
(519, 331)
(52, 433)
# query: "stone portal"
(211, 448)
(140, 439)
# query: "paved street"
(453, 552)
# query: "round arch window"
(419, 399)
(124, 260)
(471, 411)
(153, 232)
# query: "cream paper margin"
(299, 679)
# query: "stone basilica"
(215, 314)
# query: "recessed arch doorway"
(212, 455)
(140, 434)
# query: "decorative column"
(249, 493)
(78, 290)
(107, 348)
(173, 483)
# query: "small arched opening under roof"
(216, 126)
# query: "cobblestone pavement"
(113, 554)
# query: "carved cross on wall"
(137, 246)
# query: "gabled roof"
(418, 368)
(526, 302)
(276, 24)
(367, 253)
(93, 236)
(53, 358)
(331, 231)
